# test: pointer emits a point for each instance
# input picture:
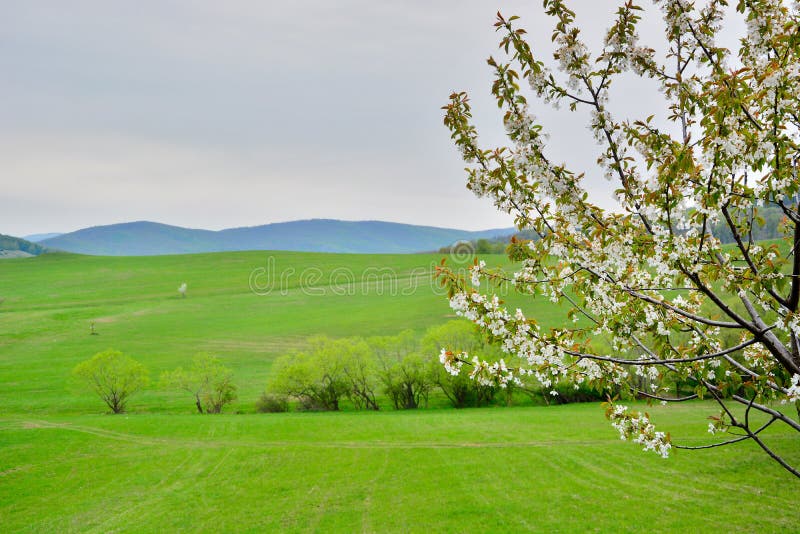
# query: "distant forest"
(8, 242)
(766, 225)
(495, 245)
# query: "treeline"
(403, 370)
(8, 242)
(766, 224)
(495, 245)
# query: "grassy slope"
(560, 468)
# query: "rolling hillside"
(245, 307)
(145, 238)
(67, 467)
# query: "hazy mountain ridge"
(35, 238)
(145, 238)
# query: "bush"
(359, 369)
(309, 404)
(208, 381)
(401, 369)
(272, 403)
(460, 336)
(315, 377)
(569, 393)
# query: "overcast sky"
(212, 114)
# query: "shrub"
(209, 382)
(315, 377)
(359, 370)
(402, 370)
(460, 336)
(272, 403)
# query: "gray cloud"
(217, 114)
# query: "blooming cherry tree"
(650, 278)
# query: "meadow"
(245, 307)
(67, 466)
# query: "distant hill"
(145, 238)
(35, 238)
(15, 247)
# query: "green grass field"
(496, 469)
(65, 466)
(51, 300)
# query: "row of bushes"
(115, 377)
(404, 369)
(401, 370)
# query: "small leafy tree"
(316, 376)
(651, 276)
(402, 370)
(209, 382)
(114, 376)
(358, 367)
(458, 388)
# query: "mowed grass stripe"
(212, 443)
